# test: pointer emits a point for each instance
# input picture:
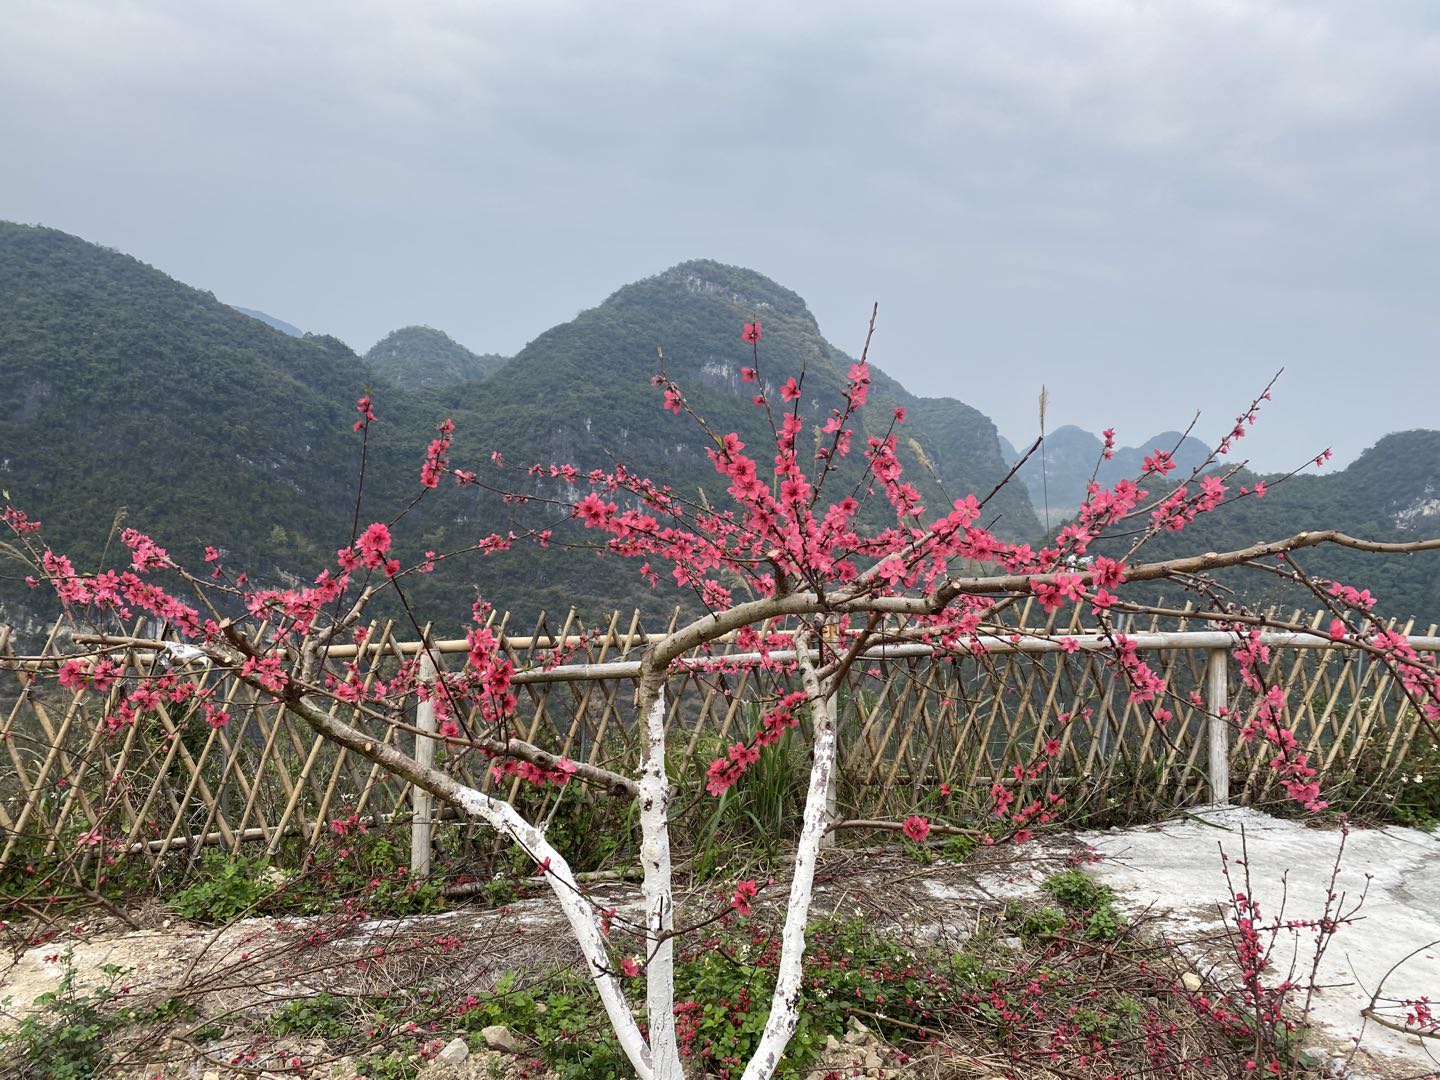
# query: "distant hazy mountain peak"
(270, 320)
(1057, 474)
(416, 356)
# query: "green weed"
(228, 886)
(65, 1038)
(1089, 902)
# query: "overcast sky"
(1146, 207)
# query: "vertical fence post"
(1217, 698)
(421, 801)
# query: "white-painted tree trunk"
(785, 1003)
(659, 1058)
(580, 913)
(832, 791)
(659, 898)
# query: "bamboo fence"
(909, 720)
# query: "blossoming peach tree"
(806, 580)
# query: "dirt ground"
(237, 975)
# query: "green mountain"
(418, 356)
(581, 392)
(1390, 493)
(132, 396)
(131, 393)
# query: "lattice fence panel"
(73, 781)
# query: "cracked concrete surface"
(1177, 866)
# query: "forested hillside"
(582, 392)
(133, 398)
(132, 394)
(1391, 492)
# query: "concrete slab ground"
(1177, 867)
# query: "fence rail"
(910, 721)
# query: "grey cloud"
(1145, 206)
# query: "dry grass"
(224, 987)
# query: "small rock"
(456, 1051)
(211, 1075)
(498, 1037)
(1011, 943)
(872, 1060)
(929, 935)
(1191, 981)
(831, 1044)
(858, 1027)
